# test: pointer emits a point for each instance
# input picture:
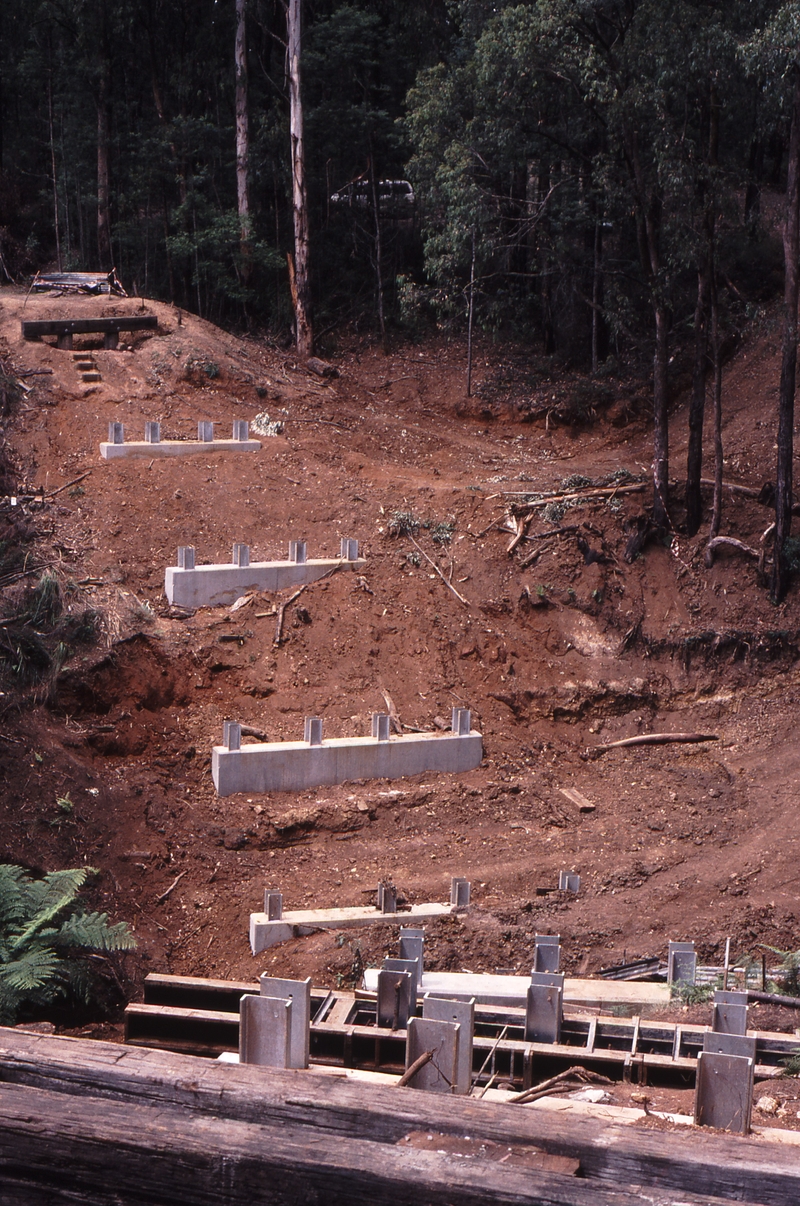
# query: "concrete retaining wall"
(297, 765)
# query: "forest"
(584, 177)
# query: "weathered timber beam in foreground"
(63, 1149)
(162, 1112)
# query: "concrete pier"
(192, 586)
(298, 765)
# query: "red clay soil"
(577, 650)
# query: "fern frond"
(43, 928)
(12, 897)
(92, 932)
(81, 979)
(33, 971)
(50, 896)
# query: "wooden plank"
(98, 1151)
(195, 992)
(576, 797)
(87, 326)
(733, 1168)
(676, 1044)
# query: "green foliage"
(789, 982)
(403, 523)
(791, 1065)
(693, 994)
(46, 936)
(791, 549)
(442, 532)
(570, 140)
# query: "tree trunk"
(103, 132)
(705, 282)
(648, 231)
(56, 222)
(378, 250)
(694, 459)
(661, 419)
(791, 246)
(301, 298)
(243, 143)
(716, 512)
(471, 315)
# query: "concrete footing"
(191, 586)
(117, 447)
(292, 924)
(512, 991)
(298, 765)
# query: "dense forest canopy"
(586, 173)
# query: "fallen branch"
(34, 569)
(657, 739)
(728, 542)
(578, 1073)
(430, 561)
(325, 422)
(249, 731)
(746, 491)
(171, 887)
(74, 482)
(394, 719)
(521, 531)
(479, 535)
(587, 495)
(533, 557)
(277, 639)
(414, 1068)
(762, 556)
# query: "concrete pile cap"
(190, 585)
(117, 447)
(314, 762)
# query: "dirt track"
(685, 842)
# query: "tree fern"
(47, 937)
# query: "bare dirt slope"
(578, 649)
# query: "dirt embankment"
(576, 649)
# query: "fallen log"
(321, 368)
(657, 739)
(773, 998)
(191, 1108)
